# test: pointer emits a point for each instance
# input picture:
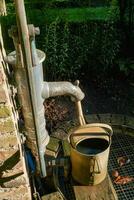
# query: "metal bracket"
(13, 31)
(33, 30)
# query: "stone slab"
(66, 148)
(16, 193)
(8, 141)
(93, 118)
(3, 95)
(117, 119)
(5, 111)
(7, 126)
(105, 118)
(53, 147)
(129, 121)
(102, 191)
(53, 196)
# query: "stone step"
(7, 125)
(9, 158)
(8, 141)
(93, 118)
(52, 196)
(12, 178)
(12, 181)
(11, 169)
(16, 193)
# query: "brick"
(53, 144)
(8, 159)
(11, 171)
(66, 148)
(3, 95)
(52, 196)
(1, 77)
(6, 154)
(18, 193)
(53, 147)
(6, 126)
(8, 140)
(16, 169)
(5, 111)
(13, 181)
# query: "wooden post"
(2, 8)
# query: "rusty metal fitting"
(13, 32)
(33, 30)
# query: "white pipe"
(51, 89)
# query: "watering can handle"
(106, 128)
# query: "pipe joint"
(51, 89)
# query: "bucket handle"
(106, 127)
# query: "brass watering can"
(90, 145)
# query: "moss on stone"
(8, 140)
(4, 111)
(7, 126)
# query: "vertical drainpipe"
(36, 140)
(24, 39)
(42, 134)
(39, 135)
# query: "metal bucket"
(90, 145)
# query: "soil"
(112, 94)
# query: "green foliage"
(110, 45)
(51, 48)
(72, 14)
(48, 15)
(126, 66)
(72, 48)
(75, 40)
(69, 3)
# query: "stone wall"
(14, 183)
(8, 139)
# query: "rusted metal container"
(90, 145)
